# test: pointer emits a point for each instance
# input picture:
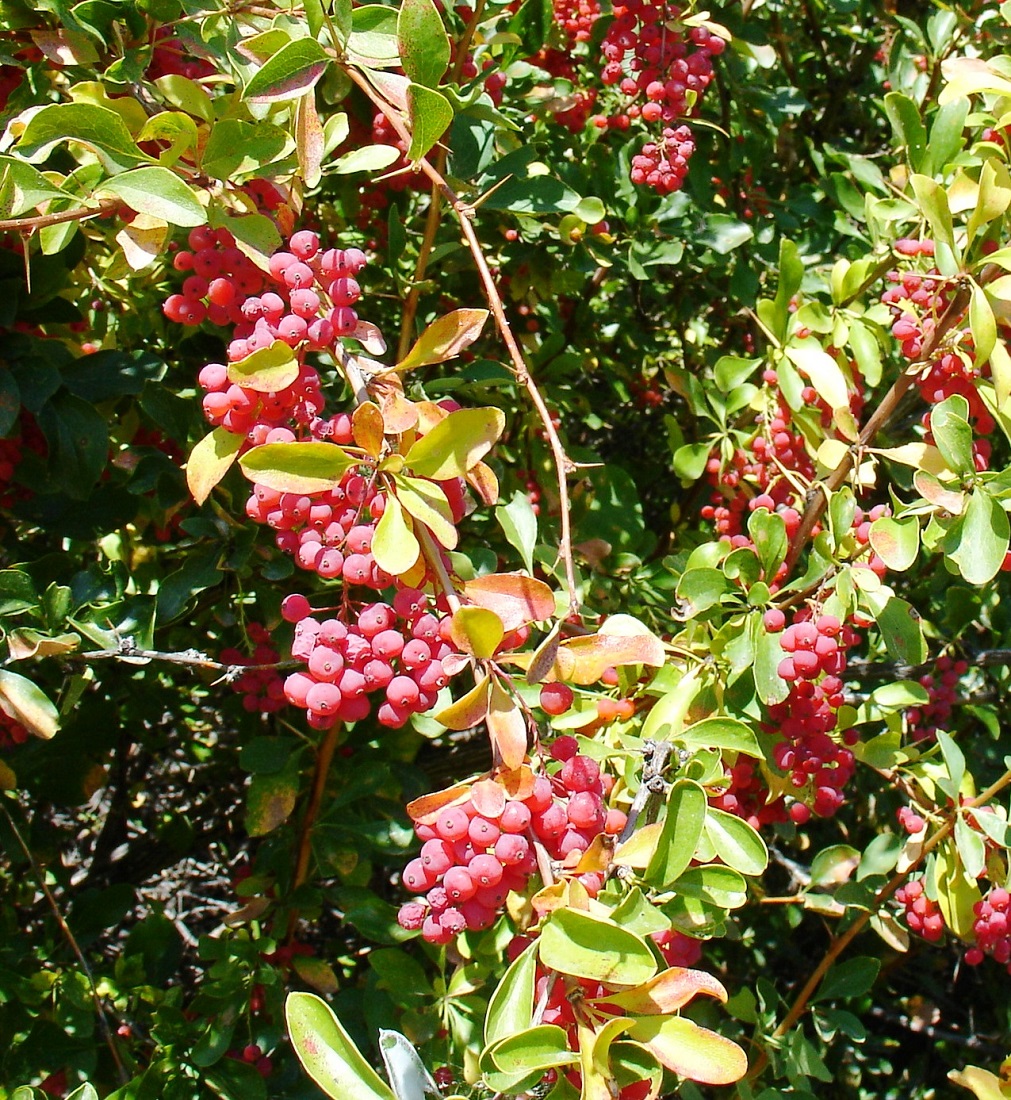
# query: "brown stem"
(324, 758)
(818, 494)
(68, 935)
(465, 214)
(435, 202)
(844, 939)
(40, 221)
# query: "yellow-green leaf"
(476, 631)
(394, 544)
(469, 710)
(210, 460)
(266, 370)
(427, 502)
(691, 1051)
(313, 467)
(28, 704)
(456, 443)
(445, 338)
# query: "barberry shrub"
(504, 526)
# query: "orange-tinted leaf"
(426, 809)
(518, 783)
(507, 727)
(667, 992)
(515, 598)
(309, 142)
(489, 798)
(23, 643)
(316, 972)
(368, 428)
(476, 631)
(691, 1051)
(481, 478)
(468, 711)
(368, 335)
(596, 858)
(445, 338)
(210, 460)
(584, 660)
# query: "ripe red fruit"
(556, 698)
(295, 608)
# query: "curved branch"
(40, 221)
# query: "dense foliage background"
(729, 474)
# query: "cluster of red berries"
(992, 927)
(923, 722)
(262, 689)
(922, 915)
(668, 73)
(663, 165)
(746, 795)
(910, 820)
(471, 859)
(397, 649)
(917, 300)
(817, 763)
(219, 278)
(12, 733)
(261, 417)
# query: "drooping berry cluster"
(992, 928)
(262, 689)
(471, 859)
(921, 914)
(819, 765)
(648, 55)
(395, 649)
(261, 417)
(942, 684)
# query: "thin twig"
(465, 214)
(68, 935)
(40, 221)
(131, 655)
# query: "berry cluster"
(910, 820)
(261, 417)
(816, 762)
(924, 722)
(992, 928)
(262, 689)
(747, 796)
(668, 73)
(471, 859)
(397, 649)
(922, 915)
(253, 1055)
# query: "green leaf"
(237, 148)
(511, 1006)
(289, 73)
(160, 194)
(933, 201)
(852, 978)
(532, 22)
(736, 842)
(271, 798)
(445, 338)
(367, 158)
(210, 460)
(455, 444)
(946, 134)
(720, 733)
(537, 1048)
(971, 848)
(266, 370)
(866, 351)
(896, 541)
(28, 704)
(679, 837)
(983, 538)
(573, 942)
(791, 273)
(78, 437)
(431, 114)
(768, 533)
(949, 425)
(700, 589)
(297, 467)
(981, 324)
(519, 525)
(98, 128)
(23, 187)
(994, 196)
(900, 629)
(909, 130)
(427, 502)
(394, 544)
(424, 45)
(714, 884)
(326, 1051)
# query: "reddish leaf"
(368, 428)
(514, 597)
(445, 338)
(489, 798)
(668, 992)
(691, 1051)
(426, 809)
(584, 660)
(507, 727)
